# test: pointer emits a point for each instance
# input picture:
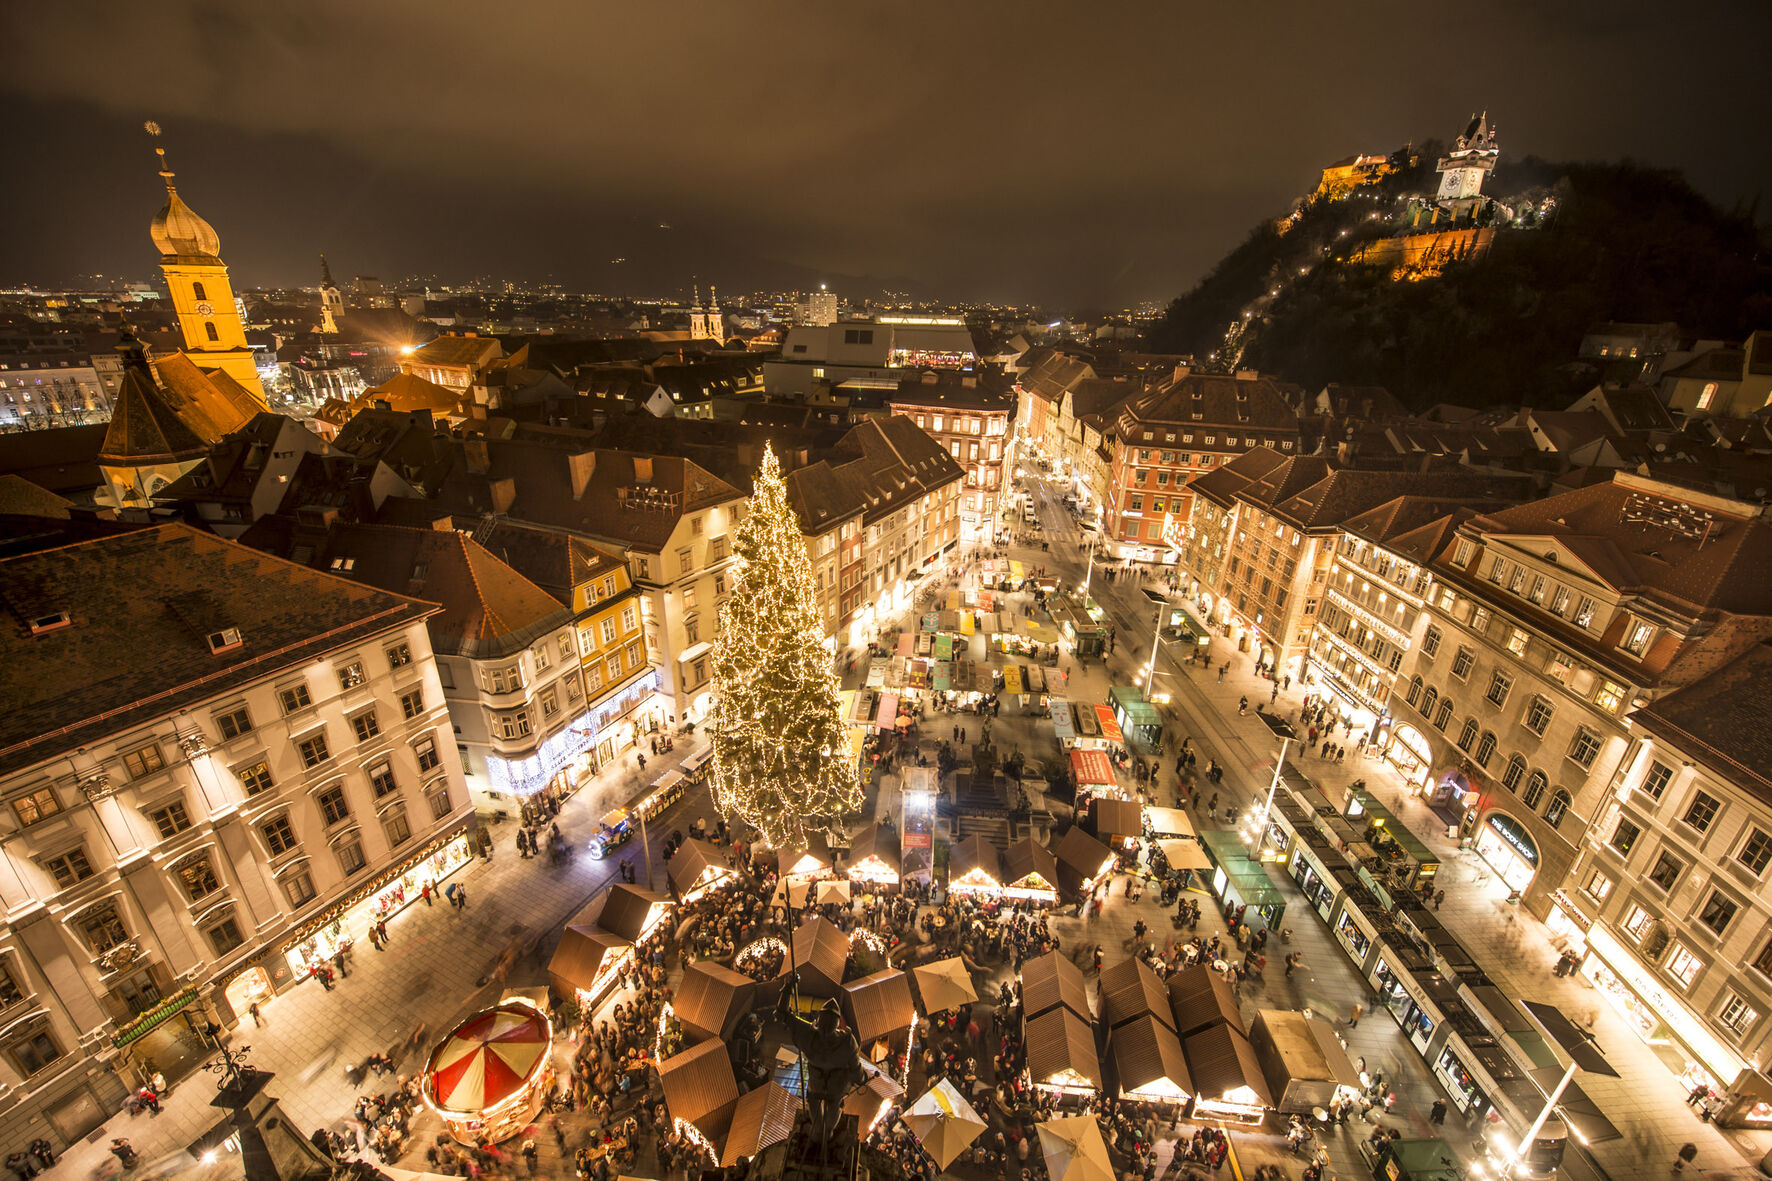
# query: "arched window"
(197, 293)
(1486, 748)
(1516, 771)
(1445, 715)
(1427, 703)
(1535, 786)
(1468, 735)
(210, 329)
(1414, 690)
(1559, 807)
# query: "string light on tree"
(781, 761)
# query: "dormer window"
(342, 564)
(225, 640)
(1637, 637)
(50, 622)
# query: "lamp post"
(1583, 1054)
(1281, 729)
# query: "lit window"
(1516, 641)
(1682, 965)
(351, 675)
(1638, 922)
(1598, 886)
(1736, 1015)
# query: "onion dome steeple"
(176, 229)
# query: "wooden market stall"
(1118, 824)
(820, 953)
(1228, 1080)
(1199, 997)
(711, 998)
(874, 855)
(1083, 862)
(975, 866)
(1130, 990)
(1060, 1051)
(1052, 981)
(1148, 1063)
(881, 1010)
(1030, 872)
(1304, 1063)
(698, 867)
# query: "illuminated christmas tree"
(781, 758)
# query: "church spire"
(326, 273)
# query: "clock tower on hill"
(196, 277)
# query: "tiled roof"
(62, 459)
(1221, 484)
(127, 658)
(235, 465)
(1204, 400)
(878, 467)
(405, 392)
(457, 350)
(20, 497)
(144, 428)
(209, 402)
(552, 560)
(1721, 720)
(1339, 495)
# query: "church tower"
(1472, 158)
(705, 323)
(332, 300)
(196, 277)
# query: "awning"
(906, 644)
(1577, 1109)
(967, 623)
(861, 709)
(1012, 679)
(1061, 720)
(154, 1017)
(1110, 729)
(1092, 766)
(1016, 570)
(1182, 854)
(887, 717)
(1169, 822)
(944, 647)
(694, 650)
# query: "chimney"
(474, 452)
(504, 494)
(642, 469)
(1248, 374)
(579, 466)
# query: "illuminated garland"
(781, 755)
(693, 1135)
(665, 1014)
(752, 953)
(869, 940)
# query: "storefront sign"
(1511, 831)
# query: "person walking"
(461, 896)
(121, 1149)
(325, 976)
(1353, 1016)
(1688, 1153)
(257, 1021)
(41, 1149)
(426, 894)
(1437, 1113)
(338, 961)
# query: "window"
(412, 703)
(198, 878)
(1636, 637)
(101, 927)
(365, 725)
(1428, 701)
(1414, 689)
(144, 761)
(628, 620)
(35, 806)
(351, 675)
(542, 659)
(10, 991)
(1498, 571)
(333, 807)
(69, 867)
(298, 888)
(1701, 811)
(381, 779)
(1682, 965)
(1610, 696)
(1559, 603)
(1597, 886)
(439, 800)
(1559, 808)
(1756, 851)
(198, 294)
(613, 665)
(350, 857)
(1514, 772)
(566, 647)
(1535, 785)
(692, 627)
(504, 680)
(1624, 836)
(1736, 1015)
(225, 936)
(426, 750)
(1468, 736)
(1538, 715)
(279, 837)
(1584, 612)
(1516, 641)
(609, 629)
(294, 698)
(1461, 664)
(1667, 870)
(1500, 685)
(634, 657)
(314, 750)
(400, 655)
(1585, 748)
(1445, 713)
(721, 546)
(700, 670)
(397, 829)
(1480, 620)
(209, 330)
(550, 702)
(1718, 912)
(1430, 642)
(1656, 781)
(1539, 583)
(1486, 748)
(514, 725)
(33, 1052)
(171, 819)
(233, 723)
(1637, 923)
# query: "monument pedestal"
(271, 1148)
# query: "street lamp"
(1583, 1054)
(1281, 729)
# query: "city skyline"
(999, 159)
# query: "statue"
(830, 1057)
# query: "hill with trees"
(1616, 242)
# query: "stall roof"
(691, 863)
(1092, 767)
(1303, 1048)
(1051, 981)
(1080, 857)
(1184, 854)
(1146, 1050)
(1120, 818)
(1222, 1060)
(711, 998)
(876, 840)
(625, 908)
(879, 1005)
(821, 952)
(580, 954)
(1169, 822)
(1129, 990)
(974, 852)
(1199, 997)
(763, 1117)
(1028, 857)
(699, 1083)
(817, 848)
(1057, 1040)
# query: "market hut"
(1061, 1056)
(1199, 998)
(1051, 981)
(1148, 1062)
(1030, 872)
(1130, 990)
(1166, 823)
(587, 964)
(821, 951)
(873, 855)
(880, 1010)
(701, 1093)
(975, 867)
(633, 912)
(1228, 1082)
(711, 998)
(698, 867)
(870, 1101)
(1082, 862)
(1092, 772)
(811, 861)
(1302, 1059)
(489, 1075)
(1119, 824)
(763, 1117)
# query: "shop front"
(169, 1038)
(1409, 752)
(385, 895)
(1507, 848)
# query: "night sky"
(1081, 154)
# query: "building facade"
(44, 389)
(973, 424)
(207, 783)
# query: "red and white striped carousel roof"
(488, 1058)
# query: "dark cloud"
(1080, 153)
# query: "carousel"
(488, 1077)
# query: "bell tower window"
(197, 292)
(210, 329)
